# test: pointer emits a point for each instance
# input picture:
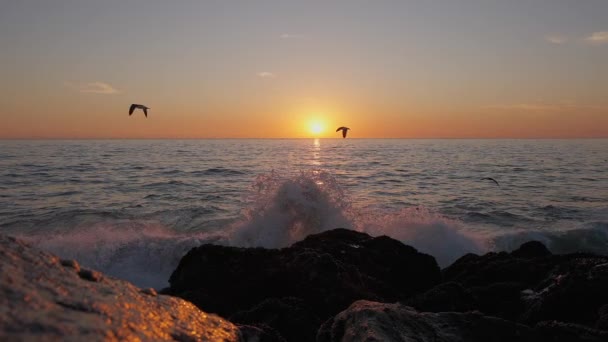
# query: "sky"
(276, 69)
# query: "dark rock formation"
(531, 285)
(553, 331)
(450, 296)
(286, 294)
(531, 249)
(259, 333)
(574, 291)
(44, 298)
(491, 283)
(602, 321)
(371, 321)
(327, 272)
(291, 317)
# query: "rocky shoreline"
(44, 298)
(339, 285)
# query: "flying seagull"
(135, 106)
(344, 130)
(491, 179)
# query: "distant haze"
(267, 69)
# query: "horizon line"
(307, 138)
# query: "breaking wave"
(281, 209)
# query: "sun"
(316, 127)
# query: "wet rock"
(503, 299)
(450, 296)
(290, 317)
(372, 321)
(474, 270)
(259, 333)
(574, 291)
(400, 268)
(42, 298)
(531, 249)
(496, 280)
(602, 321)
(553, 331)
(327, 271)
(531, 285)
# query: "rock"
(290, 317)
(552, 331)
(573, 292)
(43, 298)
(259, 333)
(602, 321)
(401, 268)
(474, 270)
(450, 296)
(531, 249)
(149, 291)
(90, 275)
(496, 280)
(327, 271)
(532, 285)
(371, 321)
(71, 263)
(502, 299)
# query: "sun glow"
(316, 127)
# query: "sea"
(133, 208)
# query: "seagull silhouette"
(492, 179)
(344, 130)
(136, 106)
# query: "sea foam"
(282, 209)
(287, 209)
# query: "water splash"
(286, 209)
(143, 253)
(281, 209)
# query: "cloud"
(544, 107)
(529, 107)
(556, 39)
(93, 87)
(266, 74)
(292, 36)
(600, 37)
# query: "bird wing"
(339, 128)
(132, 108)
(491, 179)
(146, 111)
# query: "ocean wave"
(283, 209)
(497, 217)
(164, 184)
(589, 237)
(280, 209)
(217, 171)
(142, 253)
(286, 209)
(171, 172)
(62, 193)
(60, 221)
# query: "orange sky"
(267, 70)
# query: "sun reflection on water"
(316, 153)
